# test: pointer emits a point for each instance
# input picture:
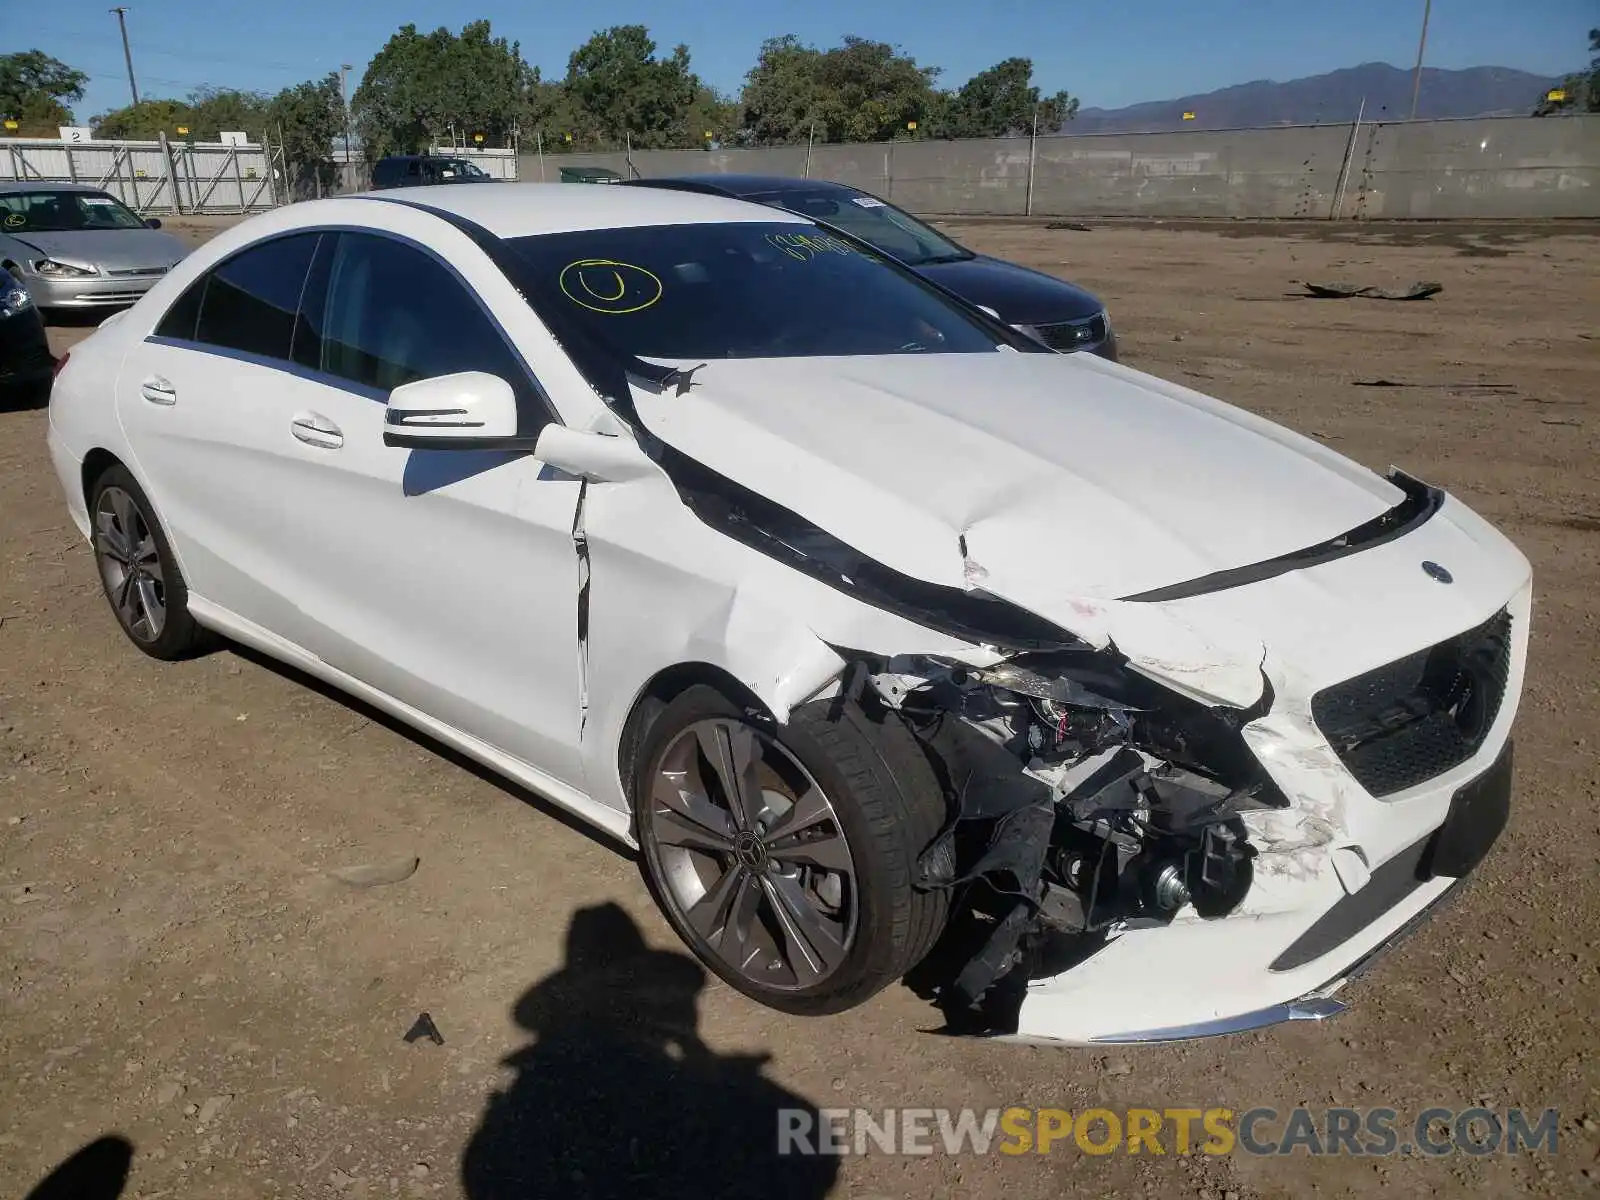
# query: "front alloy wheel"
(786, 855)
(753, 854)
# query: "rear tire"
(138, 573)
(799, 890)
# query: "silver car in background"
(74, 246)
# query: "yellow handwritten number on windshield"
(604, 285)
(806, 246)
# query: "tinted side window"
(250, 300)
(184, 313)
(394, 315)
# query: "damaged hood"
(1046, 480)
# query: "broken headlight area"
(1085, 800)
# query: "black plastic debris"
(1075, 226)
(1421, 290)
(423, 1027)
(1471, 388)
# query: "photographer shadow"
(617, 1096)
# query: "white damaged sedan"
(899, 646)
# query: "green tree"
(142, 121)
(781, 101)
(212, 109)
(306, 120)
(858, 91)
(714, 114)
(552, 116)
(422, 89)
(36, 91)
(617, 80)
(1592, 88)
(1582, 88)
(1003, 101)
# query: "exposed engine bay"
(1086, 801)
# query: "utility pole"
(1422, 43)
(127, 55)
(344, 103)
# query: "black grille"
(1415, 718)
(1074, 335)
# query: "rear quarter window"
(247, 302)
(251, 299)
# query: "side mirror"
(598, 457)
(152, 222)
(470, 410)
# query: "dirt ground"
(178, 965)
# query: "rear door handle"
(158, 391)
(314, 429)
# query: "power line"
(163, 51)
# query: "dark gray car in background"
(1059, 314)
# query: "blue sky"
(1106, 54)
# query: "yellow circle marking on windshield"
(604, 285)
(15, 220)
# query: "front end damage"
(1087, 801)
(1123, 865)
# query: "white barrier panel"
(205, 177)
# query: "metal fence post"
(133, 183)
(1344, 169)
(1033, 155)
(172, 172)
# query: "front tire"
(138, 572)
(785, 856)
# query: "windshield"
(874, 221)
(451, 168)
(63, 212)
(739, 290)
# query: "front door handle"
(314, 429)
(158, 391)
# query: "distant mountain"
(1331, 98)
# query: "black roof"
(746, 185)
(421, 157)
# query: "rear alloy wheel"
(137, 570)
(784, 856)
